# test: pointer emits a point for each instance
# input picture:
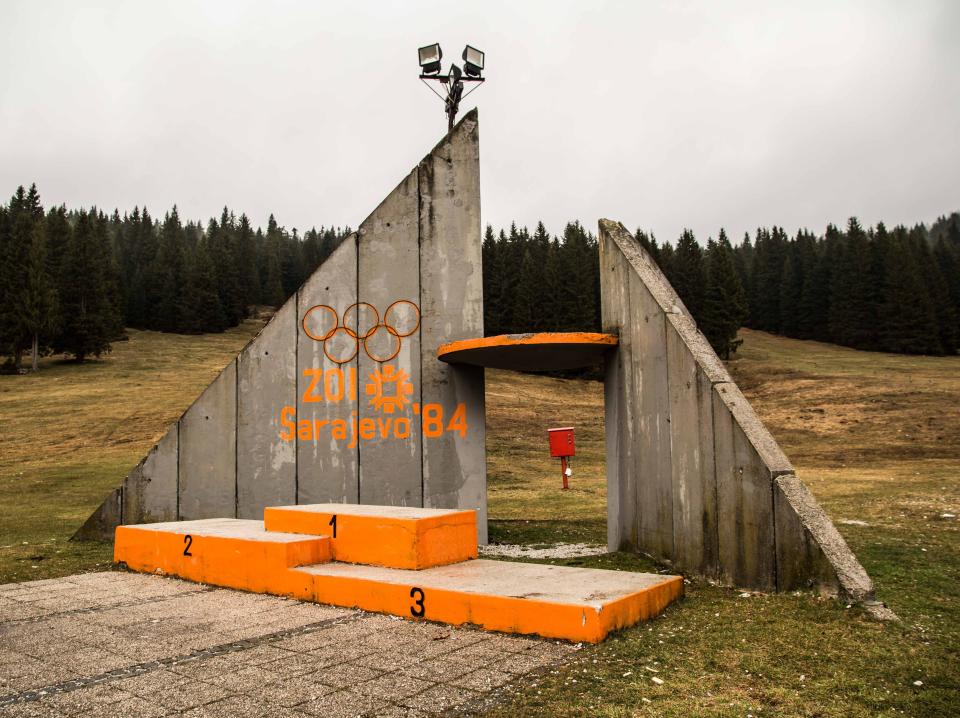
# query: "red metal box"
(561, 442)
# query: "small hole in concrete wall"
(327, 289)
(266, 353)
(206, 417)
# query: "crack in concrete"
(100, 609)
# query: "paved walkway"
(125, 644)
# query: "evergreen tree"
(552, 277)
(88, 317)
(939, 291)
(579, 264)
(852, 314)
(948, 259)
(247, 258)
(169, 276)
(205, 311)
(811, 312)
(791, 288)
(493, 284)
(769, 257)
(649, 243)
(743, 259)
(907, 321)
(16, 253)
(525, 309)
(35, 306)
(725, 304)
(6, 269)
(688, 275)
(271, 272)
(111, 274)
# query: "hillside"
(875, 436)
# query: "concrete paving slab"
(270, 668)
(343, 704)
(294, 691)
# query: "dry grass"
(70, 433)
(876, 437)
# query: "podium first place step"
(391, 536)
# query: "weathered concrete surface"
(692, 458)
(649, 409)
(391, 471)
(451, 299)
(100, 524)
(266, 430)
(744, 499)
(810, 550)
(266, 383)
(622, 504)
(178, 648)
(682, 436)
(150, 491)
(326, 467)
(208, 451)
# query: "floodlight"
(454, 79)
(430, 57)
(473, 61)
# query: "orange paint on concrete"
(543, 351)
(539, 338)
(418, 595)
(396, 537)
(238, 554)
(575, 604)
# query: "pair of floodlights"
(430, 57)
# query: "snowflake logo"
(379, 379)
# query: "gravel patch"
(560, 550)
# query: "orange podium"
(410, 562)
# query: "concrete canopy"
(543, 351)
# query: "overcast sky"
(661, 115)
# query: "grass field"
(877, 439)
(875, 436)
(70, 433)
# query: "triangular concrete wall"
(693, 475)
(262, 433)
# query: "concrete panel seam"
(296, 374)
(773, 517)
(178, 470)
(356, 294)
(236, 437)
(673, 495)
(423, 487)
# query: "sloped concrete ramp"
(693, 475)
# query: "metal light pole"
(473, 61)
